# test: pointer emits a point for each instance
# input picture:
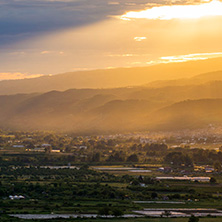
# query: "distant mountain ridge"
(189, 114)
(110, 78)
(195, 80)
(167, 107)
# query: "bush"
(212, 180)
(104, 211)
(193, 219)
(117, 212)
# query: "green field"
(11, 219)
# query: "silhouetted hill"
(196, 80)
(210, 76)
(122, 115)
(179, 93)
(110, 78)
(115, 110)
(188, 115)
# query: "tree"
(135, 182)
(104, 211)
(217, 166)
(156, 147)
(193, 219)
(149, 180)
(84, 167)
(48, 149)
(154, 195)
(179, 159)
(188, 161)
(117, 212)
(166, 213)
(96, 157)
(213, 180)
(117, 157)
(133, 158)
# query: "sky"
(39, 37)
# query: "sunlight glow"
(213, 8)
(190, 57)
(139, 39)
(18, 75)
(185, 58)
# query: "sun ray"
(212, 8)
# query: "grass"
(120, 185)
(201, 204)
(6, 218)
(155, 220)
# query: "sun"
(212, 8)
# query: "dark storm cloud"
(21, 19)
(24, 18)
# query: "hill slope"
(196, 80)
(188, 115)
(115, 110)
(110, 78)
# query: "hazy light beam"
(190, 57)
(213, 8)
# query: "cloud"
(122, 55)
(129, 55)
(184, 58)
(190, 57)
(24, 19)
(52, 52)
(45, 52)
(168, 12)
(113, 3)
(139, 39)
(17, 75)
(19, 53)
(44, 36)
(21, 19)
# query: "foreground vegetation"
(87, 191)
(102, 176)
(11, 219)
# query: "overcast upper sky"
(54, 36)
(20, 19)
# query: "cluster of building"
(16, 197)
(199, 179)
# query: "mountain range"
(111, 78)
(185, 103)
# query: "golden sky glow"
(213, 8)
(190, 57)
(182, 31)
(17, 75)
(139, 39)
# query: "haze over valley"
(168, 99)
(110, 110)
